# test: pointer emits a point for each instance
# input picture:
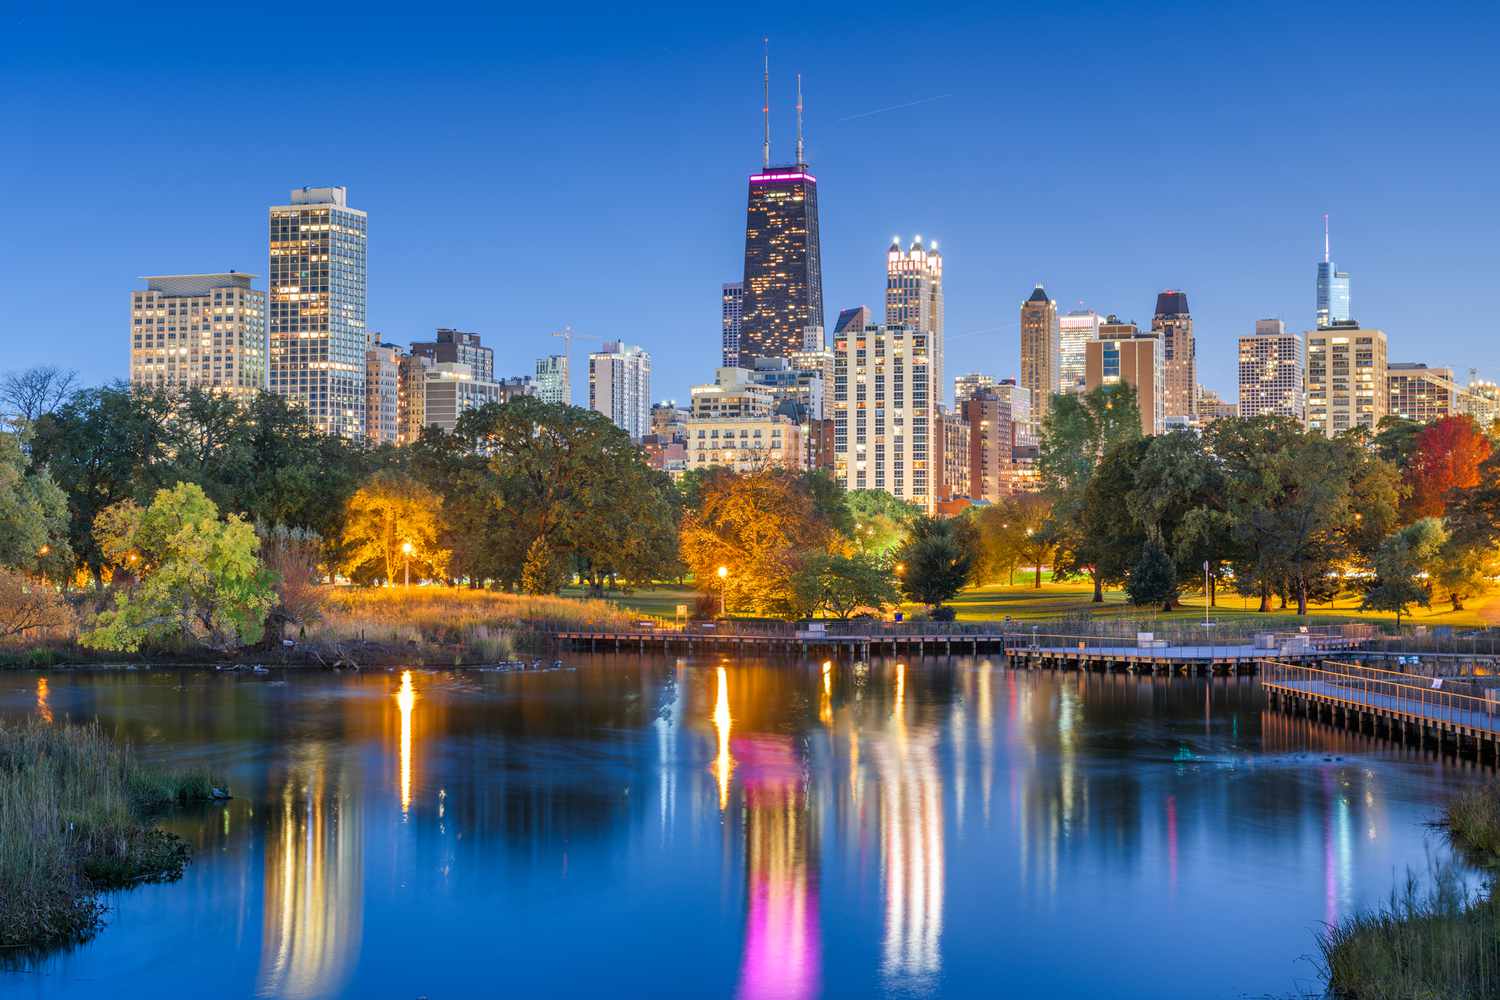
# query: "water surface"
(644, 826)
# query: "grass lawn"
(659, 602)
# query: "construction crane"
(567, 335)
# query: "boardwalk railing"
(1385, 692)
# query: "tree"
(1396, 440)
(1447, 457)
(1153, 578)
(1401, 568)
(1076, 433)
(27, 395)
(200, 583)
(293, 556)
(935, 562)
(33, 513)
(1472, 552)
(1104, 539)
(879, 521)
(853, 583)
(761, 526)
(392, 522)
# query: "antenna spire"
(799, 119)
(765, 107)
(1325, 237)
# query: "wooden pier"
(1408, 708)
(1025, 649)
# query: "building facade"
(782, 289)
(1022, 410)
(199, 331)
(953, 464)
(914, 298)
(1346, 379)
(1417, 392)
(745, 444)
(382, 392)
(1134, 361)
(884, 412)
(316, 308)
(1173, 325)
(553, 384)
(1041, 352)
(965, 386)
(1076, 330)
(992, 442)
(1333, 290)
(1273, 372)
(411, 401)
(1480, 400)
(620, 387)
(457, 347)
(731, 302)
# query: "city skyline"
(1248, 258)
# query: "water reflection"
(43, 710)
(314, 885)
(723, 763)
(406, 700)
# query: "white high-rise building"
(317, 308)
(732, 296)
(199, 331)
(620, 387)
(382, 392)
(1074, 332)
(884, 412)
(914, 298)
(1273, 372)
(552, 382)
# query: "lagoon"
(652, 826)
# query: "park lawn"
(659, 601)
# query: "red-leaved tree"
(1447, 456)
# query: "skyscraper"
(317, 307)
(1420, 393)
(783, 283)
(732, 296)
(1076, 329)
(914, 298)
(382, 392)
(552, 381)
(199, 331)
(1333, 289)
(620, 387)
(884, 412)
(1174, 325)
(1041, 352)
(1124, 354)
(1347, 385)
(1273, 372)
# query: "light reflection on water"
(675, 828)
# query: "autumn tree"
(1471, 554)
(760, 527)
(392, 522)
(1446, 457)
(199, 581)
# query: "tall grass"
(1426, 944)
(75, 810)
(487, 625)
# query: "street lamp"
(723, 575)
(406, 551)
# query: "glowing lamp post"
(406, 551)
(723, 576)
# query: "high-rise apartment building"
(450, 347)
(1417, 392)
(1173, 325)
(552, 382)
(817, 364)
(1480, 400)
(620, 387)
(1212, 407)
(450, 389)
(1075, 330)
(1131, 358)
(914, 298)
(382, 392)
(992, 442)
(884, 411)
(1022, 410)
(964, 386)
(199, 331)
(1346, 379)
(953, 466)
(1273, 372)
(317, 307)
(1333, 290)
(411, 399)
(783, 280)
(1041, 352)
(732, 302)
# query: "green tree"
(880, 521)
(1177, 501)
(33, 513)
(936, 560)
(1153, 578)
(201, 582)
(1401, 568)
(853, 583)
(1471, 554)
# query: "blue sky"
(526, 172)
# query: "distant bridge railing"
(1385, 691)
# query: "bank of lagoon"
(644, 825)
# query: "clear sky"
(526, 172)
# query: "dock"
(1408, 708)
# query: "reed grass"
(1433, 942)
(75, 820)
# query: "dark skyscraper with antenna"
(783, 285)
